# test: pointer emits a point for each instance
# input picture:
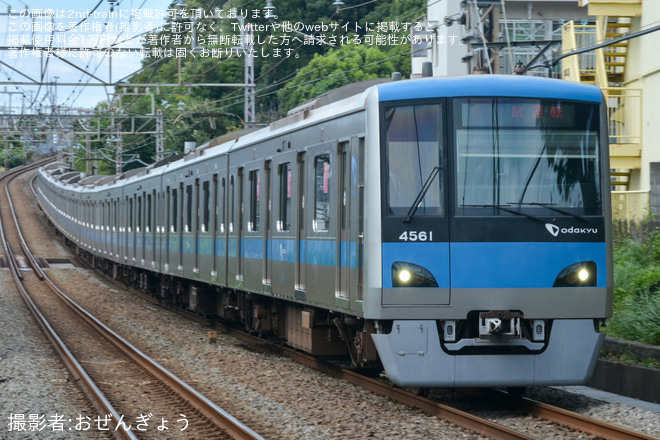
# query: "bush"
(638, 319)
(636, 314)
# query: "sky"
(68, 24)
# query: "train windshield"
(413, 145)
(526, 156)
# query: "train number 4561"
(416, 236)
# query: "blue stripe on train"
(495, 265)
(318, 252)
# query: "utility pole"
(88, 155)
(249, 112)
(119, 152)
(159, 136)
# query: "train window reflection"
(285, 187)
(175, 210)
(413, 148)
(255, 199)
(529, 154)
(322, 178)
(189, 208)
(206, 205)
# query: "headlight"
(411, 275)
(404, 275)
(577, 275)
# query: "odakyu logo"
(553, 229)
(556, 230)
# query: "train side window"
(222, 205)
(189, 208)
(255, 200)
(138, 226)
(232, 206)
(115, 215)
(284, 214)
(206, 206)
(322, 174)
(130, 215)
(147, 226)
(175, 209)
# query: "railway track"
(462, 418)
(526, 407)
(522, 405)
(134, 396)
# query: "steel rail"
(493, 430)
(461, 418)
(96, 397)
(578, 421)
(213, 412)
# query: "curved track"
(525, 407)
(129, 390)
(520, 406)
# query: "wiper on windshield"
(506, 209)
(552, 208)
(420, 196)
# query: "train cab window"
(206, 206)
(285, 187)
(526, 157)
(413, 152)
(255, 200)
(322, 175)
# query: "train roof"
(352, 98)
(512, 86)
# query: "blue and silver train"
(456, 230)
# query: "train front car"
(496, 232)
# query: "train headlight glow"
(581, 274)
(406, 274)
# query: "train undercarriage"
(314, 330)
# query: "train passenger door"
(115, 228)
(267, 263)
(221, 230)
(139, 230)
(194, 223)
(321, 239)
(220, 222)
(284, 248)
(165, 241)
(239, 226)
(301, 230)
(150, 227)
(234, 221)
(343, 246)
(178, 218)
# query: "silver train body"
(365, 226)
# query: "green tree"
(339, 67)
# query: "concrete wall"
(643, 71)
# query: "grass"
(636, 314)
